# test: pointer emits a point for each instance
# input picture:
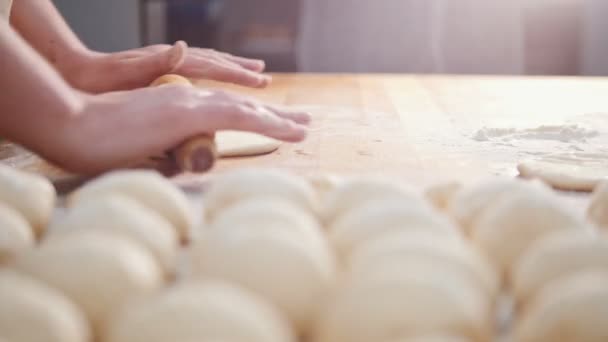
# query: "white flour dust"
(581, 135)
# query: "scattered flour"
(562, 133)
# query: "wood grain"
(415, 127)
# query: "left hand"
(102, 72)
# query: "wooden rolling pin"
(197, 154)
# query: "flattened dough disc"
(571, 172)
(243, 144)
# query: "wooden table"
(418, 128)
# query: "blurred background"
(549, 37)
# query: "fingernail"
(177, 54)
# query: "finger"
(300, 117)
(265, 122)
(145, 68)
(226, 73)
(256, 65)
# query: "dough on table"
(282, 267)
(355, 192)
(99, 271)
(598, 209)
(119, 214)
(441, 194)
(571, 172)
(15, 234)
(573, 309)
(435, 337)
(31, 195)
(241, 184)
(457, 254)
(556, 256)
(507, 230)
(394, 301)
(472, 200)
(146, 187)
(243, 144)
(31, 311)
(197, 312)
(382, 217)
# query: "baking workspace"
(303, 171)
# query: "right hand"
(120, 128)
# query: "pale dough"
(206, 311)
(243, 144)
(569, 310)
(573, 171)
(598, 209)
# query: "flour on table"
(568, 156)
(242, 144)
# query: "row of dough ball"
(26, 206)
(553, 262)
(400, 261)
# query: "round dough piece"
(473, 200)
(212, 311)
(280, 267)
(507, 229)
(572, 309)
(383, 217)
(571, 172)
(33, 312)
(441, 194)
(243, 144)
(436, 337)
(455, 254)
(123, 215)
(235, 186)
(273, 216)
(15, 234)
(555, 256)
(324, 183)
(598, 209)
(31, 195)
(148, 188)
(97, 270)
(392, 302)
(357, 191)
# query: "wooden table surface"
(419, 128)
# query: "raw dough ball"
(454, 253)
(573, 309)
(382, 217)
(506, 230)
(32, 312)
(199, 312)
(441, 194)
(31, 195)
(273, 216)
(434, 338)
(15, 234)
(398, 301)
(235, 186)
(243, 144)
(120, 214)
(97, 270)
(280, 267)
(324, 183)
(473, 200)
(558, 255)
(356, 192)
(598, 209)
(148, 188)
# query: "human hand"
(121, 128)
(102, 72)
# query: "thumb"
(153, 65)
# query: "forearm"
(36, 104)
(43, 27)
